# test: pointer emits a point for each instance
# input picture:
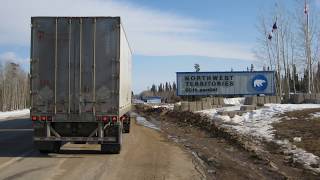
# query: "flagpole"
(278, 62)
(278, 55)
(278, 67)
(308, 47)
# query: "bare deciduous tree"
(294, 43)
(14, 87)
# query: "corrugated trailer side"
(125, 73)
(125, 79)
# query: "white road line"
(13, 160)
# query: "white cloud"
(189, 46)
(12, 57)
(150, 32)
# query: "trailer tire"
(126, 125)
(126, 128)
(111, 148)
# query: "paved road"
(145, 155)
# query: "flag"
(306, 7)
(274, 27)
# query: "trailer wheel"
(111, 148)
(126, 125)
(126, 128)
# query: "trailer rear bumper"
(104, 140)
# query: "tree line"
(14, 87)
(167, 92)
(163, 87)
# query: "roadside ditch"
(223, 152)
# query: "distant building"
(152, 99)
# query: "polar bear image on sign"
(259, 82)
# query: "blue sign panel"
(260, 83)
(225, 83)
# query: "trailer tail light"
(114, 118)
(34, 118)
(103, 118)
(43, 118)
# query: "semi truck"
(80, 82)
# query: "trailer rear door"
(75, 65)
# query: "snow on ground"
(234, 101)
(167, 106)
(308, 160)
(213, 113)
(315, 115)
(258, 124)
(228, 101)
(154, 105)
(16, 113)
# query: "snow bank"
(16, 113)
(234, 101)
(213, 113)
(258, 124)
(167, 106)
(315, 115)
(308, 160)
(164, 105)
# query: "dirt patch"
(226, 154)
(221, 159)
(302, 126)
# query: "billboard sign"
(225, 83)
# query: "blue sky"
(166, 36)
(229, 16)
